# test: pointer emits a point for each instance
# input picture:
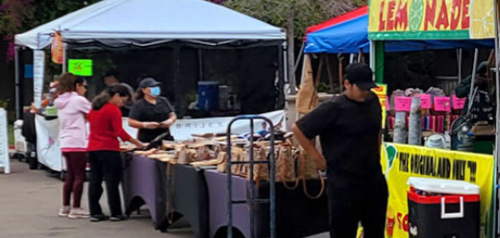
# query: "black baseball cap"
(148, 82)
(361, 75)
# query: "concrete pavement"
(30, 200)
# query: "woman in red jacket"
(105, 160)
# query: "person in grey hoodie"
(72, 109)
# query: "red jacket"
(105, 128)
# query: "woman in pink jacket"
(72, 109)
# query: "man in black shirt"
(112, 77)
(349, 127)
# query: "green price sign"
(80, 67)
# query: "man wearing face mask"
(152, 114)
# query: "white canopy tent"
(144, 23)
(147, 22)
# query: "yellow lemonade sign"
(431, 19)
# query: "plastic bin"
(443, 208)
(208, 95)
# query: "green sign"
(80, 67)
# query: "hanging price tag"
(442, 104)
(458, 103)
(426, 101)
(402, 104)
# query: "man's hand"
(310, 148)
(319, 160)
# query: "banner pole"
(497, 131)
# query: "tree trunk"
(290, 34)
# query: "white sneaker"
(76, 213)
(64, 211)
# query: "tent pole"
(301, 52)
(281, 78)
(459, 62)
(473, 79)
(497, 131)
(330, 75)
(18, 92)
(373, 52)
(64, 66)
(285, 59)
(200, 63)
(177, 86)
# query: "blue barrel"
(208, 95)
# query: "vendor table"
(145, 182)
(200, 197)
(296, 214)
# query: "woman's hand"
(138, 144)
(151, 125)
(167, 123)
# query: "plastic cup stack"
(415, 127)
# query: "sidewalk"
(30, 200)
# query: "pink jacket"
(71, 111)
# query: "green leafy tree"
(293, 15)
(18, 16)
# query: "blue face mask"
(155, 91)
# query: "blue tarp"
(349, 36)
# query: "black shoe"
(118, 218)
(98, 218)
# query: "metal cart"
(251, 201)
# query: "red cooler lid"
(413, 196)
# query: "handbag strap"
(303, 159)
(283, 170)
(322, 180)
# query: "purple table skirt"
(296, 215)
(144, 182)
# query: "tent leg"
(281, 78)
(459, 62)
(177, 83)
(301, 52)
(285, 59)
(200, 64)
(330, 75)
(497, 131)
(379, 62)
(18, 80)
(473, 79)
(65, 66)
(377, 52)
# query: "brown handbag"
(236, 154)
(261, 171)
(221, 162)
(286, 166)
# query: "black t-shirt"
(145, 111)
(349, 135)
